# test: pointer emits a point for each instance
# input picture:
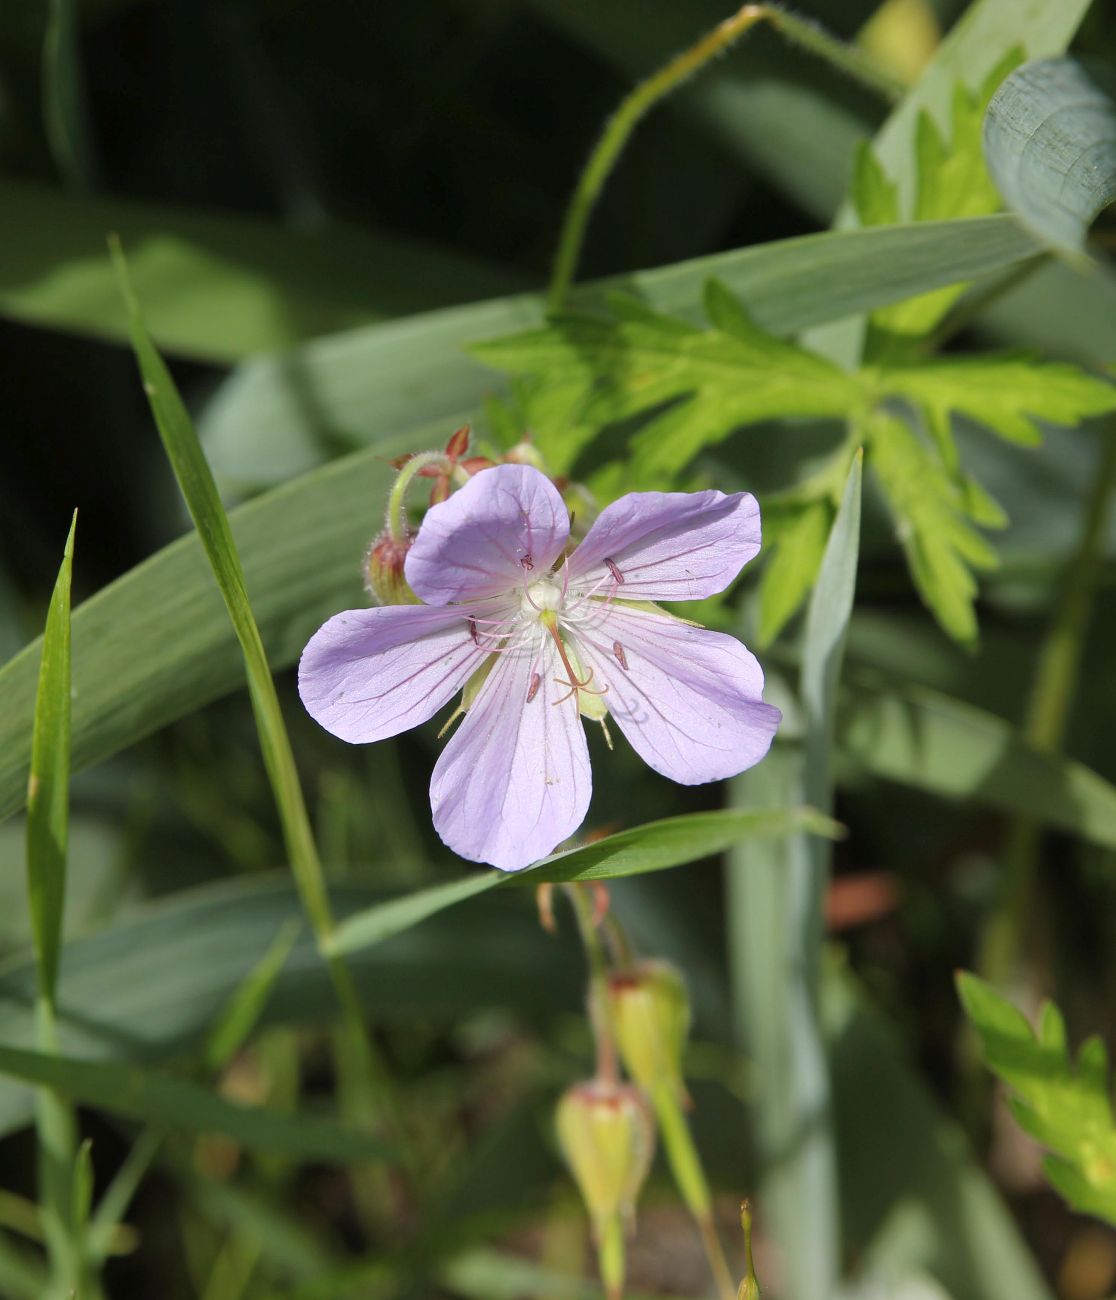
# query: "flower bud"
(383, 570)
(607, 1135)
(650, 1012)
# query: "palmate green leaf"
(280, 416)
(48, 796)
(712, 381)
(1007, 394)
(174, 1104)
(1065, 1107)
(156, 643)
(215, 286)
(915, 1197)
(652, 847)
(1050, 143)
(931, 521)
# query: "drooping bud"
(383, 570)
(607, 1136)
(650, 1012)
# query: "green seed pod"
(383, 570)
(650, 1011)
(607, 1136)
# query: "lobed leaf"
(279, 416)
(931, 523)
(1067, 1108)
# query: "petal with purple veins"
(668, 545)
(506, 525)
(689, 700)
(514, 780)
(372, 673)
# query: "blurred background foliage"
(281, 172)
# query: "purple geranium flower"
(538, 641)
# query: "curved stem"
(396, 512)
(647, 94)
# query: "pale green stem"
(56, 1126)
(1044, 727)
(689, 1174)
(397, 513)
(113, 1205)
(648, 93)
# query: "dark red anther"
(527, 561)
(473, 631)
(617, 576)
(621, 657)
(533, 689)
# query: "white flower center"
(541, 596)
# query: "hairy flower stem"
(647, 94)
(1044, 727)
(397, 511)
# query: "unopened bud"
(383, 570)
(749, 1287)
(650, 1012)
(608, 1138)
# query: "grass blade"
(184, 452)
(173, 1104)
(48, 804)
(655, 846)
(776, 894)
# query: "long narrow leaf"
(776, 895)
(166, 1103)
(48, 803)
(176, 430)
(653, 847)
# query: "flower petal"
(372, 673)
(514, 780)
(669, 545)
(505, 523)
(688, 700)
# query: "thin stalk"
(1044, 727)
(689, 1174)
(647, 94)
(106, 1219)
(396, 511)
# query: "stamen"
(533, 689)
(621, 657)
(618, 577)
(527, 561)
(473, 627)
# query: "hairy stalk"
(1044, 727)
(396, 513)
(648, 93)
